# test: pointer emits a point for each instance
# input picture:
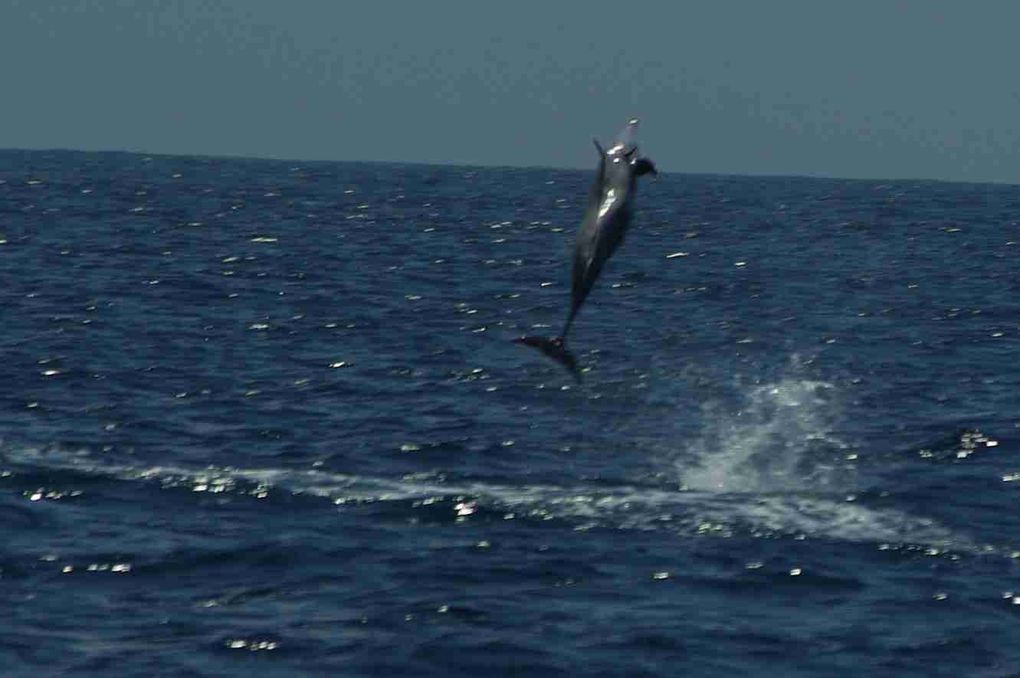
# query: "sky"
(863, 89)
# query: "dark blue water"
(266, 416)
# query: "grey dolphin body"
(606, 219)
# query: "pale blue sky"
(895, 88)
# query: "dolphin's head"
(626, 141)
(625, 149)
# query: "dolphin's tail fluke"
(556, 349)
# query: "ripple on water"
(271, 413)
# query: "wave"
(749, 503)
(767, 463)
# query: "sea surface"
(265, 418)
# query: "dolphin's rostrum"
(605, 222)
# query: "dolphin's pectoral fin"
(598, 146)
(556, 349)
(643, 166)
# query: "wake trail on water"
(766, 465)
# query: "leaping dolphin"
(606, 219)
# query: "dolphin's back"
(605, 223)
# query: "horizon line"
(475, 165)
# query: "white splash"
(780, 439)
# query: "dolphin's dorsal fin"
(595, 194)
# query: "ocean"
(266, 416)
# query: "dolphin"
(606, 219)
